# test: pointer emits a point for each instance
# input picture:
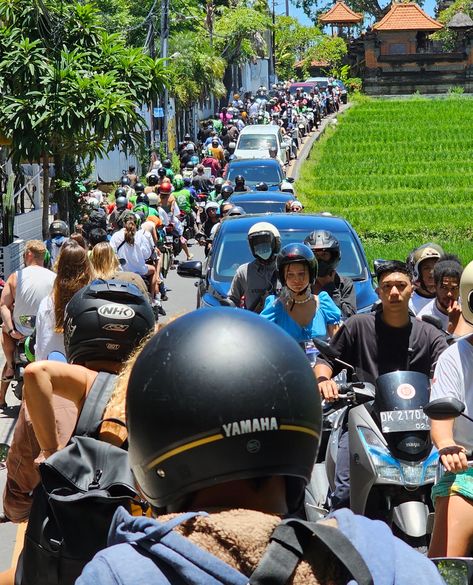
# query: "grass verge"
(401, 171)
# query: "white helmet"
(265, 241)
(466, 293)
(417, 256)
(211, 205)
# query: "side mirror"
(190, 269)
(324, 348)
(444, 408)
(376, 265)
(455, 571)
(435, 321)
(290, 179)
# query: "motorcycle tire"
(166, 262)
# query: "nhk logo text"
(116, 311)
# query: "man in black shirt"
(326, 249)
(377, 343)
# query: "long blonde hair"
(104, 260)
(73, 273)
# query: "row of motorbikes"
(393, 463)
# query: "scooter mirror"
(455, 571)
(444, 408)
(435, 321)
(376, 265)
(324, 348)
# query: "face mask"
(263, 251)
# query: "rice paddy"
(401, 171)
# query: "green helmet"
(178, 183)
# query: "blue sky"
(429, 7)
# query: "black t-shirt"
(202, 184)
(374, 348)
(343, 294)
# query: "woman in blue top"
(300, 313)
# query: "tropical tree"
(70, 90)
(326, 48)
(292, 40)
(196, 70)
(239, 36)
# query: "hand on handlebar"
(329, 390)
(453, 458)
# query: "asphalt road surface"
(182, 299)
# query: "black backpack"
(81, 487)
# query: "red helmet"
(165, 187)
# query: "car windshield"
(233, 250)
(304, 87)
(263, 206)
(257, 142)
(270, 174)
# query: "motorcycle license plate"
(169, 239)
(395, 421)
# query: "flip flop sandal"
(8, 378)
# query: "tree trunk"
(45, 217)
(59, 193)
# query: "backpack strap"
(290, 542)
(95, 403)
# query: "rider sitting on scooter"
(376, 343)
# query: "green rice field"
(401, 171)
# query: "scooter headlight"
(386, 466)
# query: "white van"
(255, 142)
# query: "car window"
(233, 250)
(263, 206)
(257, 141)
(270, 174)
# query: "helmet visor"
(262, 245)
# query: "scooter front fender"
(412, 518)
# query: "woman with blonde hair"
(73, 272)
(106, 266)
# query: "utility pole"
(164, 54)
(287, 7)
(151, 46)
(272, 60)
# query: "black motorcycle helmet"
(125, 181)
(190, 166)
(139, 188)
(261, 186)
(162, 172)
(121, 203)
(120, 192)
(106, 320)
(324, 240)
(58, 228)
(142, 198)
(239, 180)
(221, 424)
(226, 191)
(152, 180)
(292, 253)
(167, 163)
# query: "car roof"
(316, 79)
(262, 196)
(284, 221)
(301, 84)
(260, 129)
(253, 162)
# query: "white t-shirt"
(453, 376)
(47, 340)
(135, 255)
(417, 303)
(33, 284)
(432, 309)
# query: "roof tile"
(407, 17)
(340, 13)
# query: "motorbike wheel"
(166, 263)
